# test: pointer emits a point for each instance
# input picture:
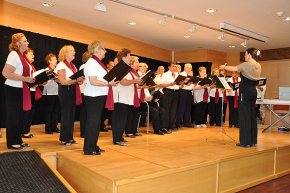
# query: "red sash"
(205, 95)
(110, 99)
(216, 96)
(72, 67)
(26, 96)
(142, 93)
(236, 98)
(225, 97)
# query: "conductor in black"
(250, 73)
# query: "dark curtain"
(43, 45)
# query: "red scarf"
(110, 99)
(205, 95)
(236, 98)
(38, 93)
(225, 97)
(142, 93)
(136, 98)
(26, 96)
(78, 90)
(216, 96)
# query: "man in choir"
(170, 99)
(178, 68)
(185, 100)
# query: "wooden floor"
(189, 160)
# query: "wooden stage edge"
(201, 160)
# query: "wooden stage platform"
(181, 162)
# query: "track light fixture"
(101, 6)
(244, 43)
(163, 21)
(222, 37)
(193, 28)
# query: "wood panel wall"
(27, 19)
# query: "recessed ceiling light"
(286, 19)
(186, 36)
(47, 4)
(211, 10)
(232, 46)
(132, 23)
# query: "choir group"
(171, 104)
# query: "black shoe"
(92, 153)
(158, 132)
(165, 131)
(15, 147)
(101, 150)
(29, 135)
(121, 143)
(25, 145)
(245, 146)
(73, 142)
(66, 143)
(130, 135)
(104, 130)
(188, 125)
(137, 134)
(56, 130)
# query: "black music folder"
(261, 82)
(221, 83)
(77, 74)
(119, 71)
(157, 95)
(42, 77)
(234, 86)
(205, 81)
(179, 80)
(192, 79)
(147, 78)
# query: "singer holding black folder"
(250, 73)
(68, 93)
(17, 93)
(95, 95)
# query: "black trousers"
(67, 100)
(94, 107)
(51, 105)
(14, 115)
(233, 113)
(184, 107)
(28, 116)
(132, 120)
(83, 117)
(200, 113)
(169, 102)
(215, 112)
(247, 119)
(119, 121)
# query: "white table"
(269, 103)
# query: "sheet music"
(224, 83)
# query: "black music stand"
(222, 84)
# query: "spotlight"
(244, 44)
(193, 28)
(222, 37)
(101, 7)
(163, 21)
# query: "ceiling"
(258, 16)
